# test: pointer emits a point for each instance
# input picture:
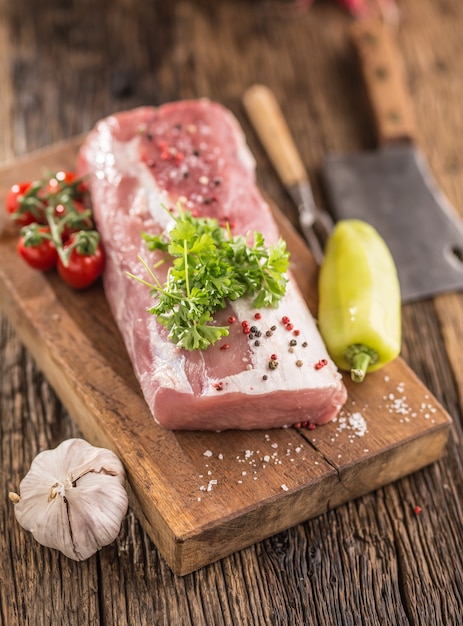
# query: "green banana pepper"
(359, 313)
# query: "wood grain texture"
(372, 561)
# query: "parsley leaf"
(208, 267)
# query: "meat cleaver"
(392, 187)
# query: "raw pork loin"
(194, 154)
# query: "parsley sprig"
(210, 266)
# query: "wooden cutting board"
(201, 496)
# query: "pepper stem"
(360, 358)
(360, 364)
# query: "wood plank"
(201, 496)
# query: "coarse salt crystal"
(358, 423)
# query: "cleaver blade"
(392, 188)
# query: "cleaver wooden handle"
(265, 114)
(384, 76)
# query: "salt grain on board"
(358, 424)
(258, 462)
(398, 405)
(355, 423)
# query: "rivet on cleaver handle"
(392, 188)
(267, 118)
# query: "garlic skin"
(73, 498)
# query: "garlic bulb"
(73, 498)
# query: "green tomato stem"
(55, 232)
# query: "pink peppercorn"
(321, 363)
(285, 319)
(257, 316)
(225, 346)
(231, 319)
(246, 327)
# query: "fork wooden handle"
(269, 123)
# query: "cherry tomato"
(83, 269)
(62, 179)
(39, 252)
(13, 204)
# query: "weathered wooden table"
(371, 561)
